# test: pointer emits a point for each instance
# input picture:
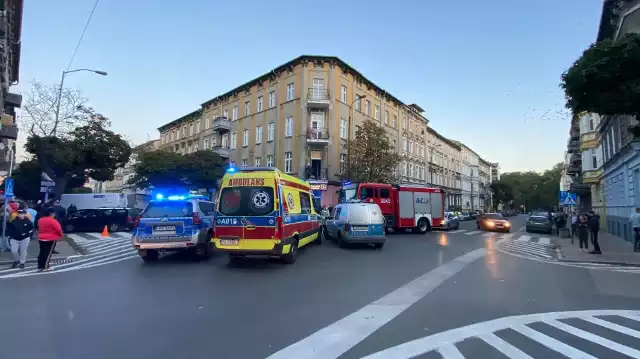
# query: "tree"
(166, 169)
(39, 115)
(606, 79)
(502, 193)
(370, 157)
(533, 189)
(91, 150)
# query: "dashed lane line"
(472, 233)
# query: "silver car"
(451, 221)
(356, 222)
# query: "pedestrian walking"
(635, 224)
(49, 233)
(574, 224)
(20, 230)
(594, 228)
(560, 221)
(583, 233)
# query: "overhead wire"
(75, 51)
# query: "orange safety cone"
(105, 232)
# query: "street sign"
(567, 198)
(8, 187)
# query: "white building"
(470, 179)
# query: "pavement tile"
(614, 251)
(63, 247)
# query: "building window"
(410, 146)
(406, 123)
(288, 127)
(410, 170)
(195, 147)
(343, 128)
(594, 159)
(394, 122)
(234, 113)
(343, 94)
(376, 112)
(213, 142)
(343, 161)
(198, 126)
(225, 140)
(404, 168)
(386, 118)
(244, 163)
(225, 114)
(270, 161)
(234, 140)
(272, 99)
(404, 144)
(191, 129)
(367, 107)
(271, 130)
(290, 91)
(206, 145)
(259, 104)
(256, 162)
(258, 135)
(247, 108)
(288, 161)
(245, 138)
(591, 127)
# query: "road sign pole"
(6, 202)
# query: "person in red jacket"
(49, 233)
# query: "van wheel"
(378, 245)
(69, 228)
(423, 226)
(113, 227)
(149, 256)
(291, 257)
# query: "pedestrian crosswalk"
(579, 334)
(98, 251)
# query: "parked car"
(356, 222)
(451, 221)
(94, 220)
(464, 216)
(539, 224)
(493, 222)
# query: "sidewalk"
(63, 247)
(615, 250)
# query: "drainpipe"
(275, 123)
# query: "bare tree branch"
(39, 116)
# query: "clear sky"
(486, 72)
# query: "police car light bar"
(250, 169)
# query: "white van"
(356, 222)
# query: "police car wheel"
(203, 251)
(149, 256)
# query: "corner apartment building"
(10, 48)
(484, 184)
(590, 184)
(470, 179)
(620, 151)
(298, 117)
(445, 167)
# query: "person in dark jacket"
(583, 233)
(594, 228)
(20, 230)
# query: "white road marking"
(444, 342)
(524, 238)
(458, 231)
(507, 236)
(335, 339)
(490, 234)
(544, 240)
(472, 233)
(450, 352)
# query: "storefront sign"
(318, 186)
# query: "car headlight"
(507, 224)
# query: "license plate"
(229, 242)
(360, 228)
(164, 228)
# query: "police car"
(175, 223)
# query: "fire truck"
(404, 206)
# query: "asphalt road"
(331, 303)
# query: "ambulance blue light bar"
(161, 197)
(250, 169)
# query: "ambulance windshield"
(246, 201)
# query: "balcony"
(316, 173)
(574, 133)
(222, 151)
(221, 125)
(9, 131)
(573, 169)
(318, 136)
(592, 176)
(573, 146)
(318, 98)
(575, 159)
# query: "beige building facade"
(444, 159)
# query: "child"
(583, 233)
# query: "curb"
(621, 264)
(35, 260)
(76, 247)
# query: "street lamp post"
(64, 73)
(358, 98)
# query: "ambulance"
(264, 212)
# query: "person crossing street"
(49, 233)
(20, 230)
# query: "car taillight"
(136, 221)
(347, 227)
(278, 227)
(196, 218)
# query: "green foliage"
(91, 150)
(27, 176)
(606, 78)
(533, 189)
(165, 169)
(370, 157)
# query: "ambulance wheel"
(318, 240)
(291, 257)
(235, 259)
(149, 256)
